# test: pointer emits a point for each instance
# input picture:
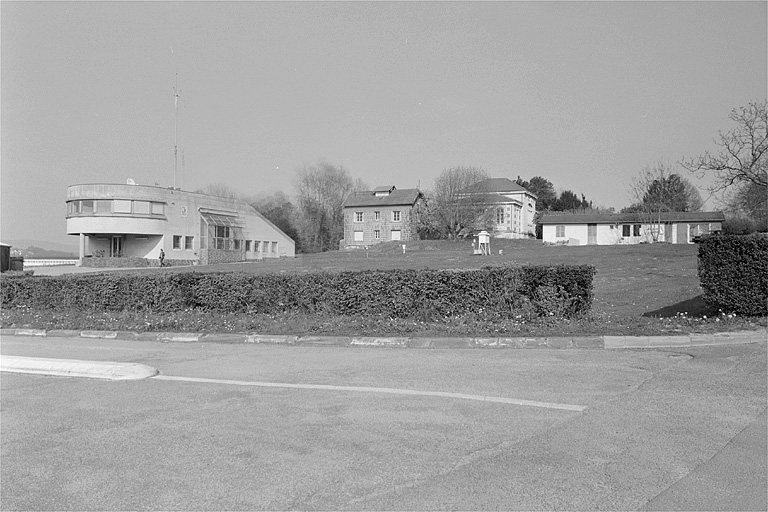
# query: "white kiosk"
(483, 243)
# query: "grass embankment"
(638, 290)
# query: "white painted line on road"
(392, 391)
(76, 368)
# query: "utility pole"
(175, 128)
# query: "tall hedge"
(733, 271)
(562, 291)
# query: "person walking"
(162, 258)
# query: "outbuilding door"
(591, 234)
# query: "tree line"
(313, 217)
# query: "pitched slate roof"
(405, 197)
(618, 218)
(495, 186)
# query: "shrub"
(740, 226)
(733, 271)
(492, 292)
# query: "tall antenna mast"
(175, 128)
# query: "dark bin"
(5, 257)
(17, 263)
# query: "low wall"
(133, 262)
(40, 262)
(108, 262)
(212, 256)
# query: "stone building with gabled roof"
(383, 214)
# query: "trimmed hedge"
(733, 271)
(498, 292)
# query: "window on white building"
(177, 241)
(158, 208)
(560, 231)
(103, 206)
(121, 206)
(499, 215)
(141, 207)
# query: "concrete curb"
(557, 342)
(76, 368)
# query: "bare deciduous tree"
(222, 190)
(657, 190)
(742, 156)
(321, 192)
(453, 210)
(749, 202)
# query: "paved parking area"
(205, 441)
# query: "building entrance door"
(116, 248)
(591, 234)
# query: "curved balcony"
(114, 224)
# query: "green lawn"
(638, 289)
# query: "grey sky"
(582, 93)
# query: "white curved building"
(130, 222)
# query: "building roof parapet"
(618, 218)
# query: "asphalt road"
(386, 429)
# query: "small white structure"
(483, 243)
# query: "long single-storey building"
(135, 222)
(627, 228)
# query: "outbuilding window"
(560, 231)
